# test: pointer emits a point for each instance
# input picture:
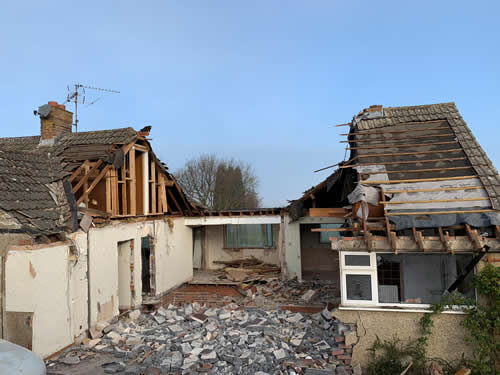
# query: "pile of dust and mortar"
(231, 340)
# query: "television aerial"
(77, 95)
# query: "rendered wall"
(38, 281)
(214, 248)
(446, 340)
(173, 254)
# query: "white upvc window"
(359, 279)
(404, 281)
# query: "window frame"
(269, 227)
(372, 271)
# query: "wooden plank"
(401, 162)
(371, 140)
(416, 180)
(77, 172)
(388, 225)
(94, 183)
(437, 201)
(86, 184)
(420, 170)
(401, 145)
(132, 183)
(114, 192)
(141, 147)
(86, 177)
(109, 205)
(396, 191)
(126, 148)
(124, 210)
(438, 212)
(393, 239)
(153, 187)
(327, 212)
(411, 153)
(163, 191)
(474, 237)
(419, 239)
(347, 124)
(497, 232)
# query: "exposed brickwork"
(210, 295)
(59, 120)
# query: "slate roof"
(480, 162)
(32, 192)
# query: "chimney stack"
(54, 119)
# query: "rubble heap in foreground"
(190, 340)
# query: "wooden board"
(327, 212)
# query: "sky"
(263, 81)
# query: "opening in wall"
(146, 264)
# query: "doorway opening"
(147, 256)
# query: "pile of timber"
(248, 269)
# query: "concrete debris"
(231, 340)
(308, 295)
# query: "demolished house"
(91, 224)
(416, 207)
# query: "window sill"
(399, 308)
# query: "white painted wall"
(38, 281)
(214, 249)
(174, 254)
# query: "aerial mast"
(77, 96)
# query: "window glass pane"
(231, 236)
(421, 278)
(249, 236)
(359, 287)
(357, 260)
(324, 237)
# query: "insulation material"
(438, 195)
(484, 219)
(365, 195)
(381, 174)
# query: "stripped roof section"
(444, 111)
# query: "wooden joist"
(78, 171)
(453, 150)
(401, 145)
(153, 187)
(436, 201)
(132, 183)
(350, 229)
(419, 238)
(438, 212)
(474, 237)
(171, 195)
(109, 204)
(384, 182)
(445, 240)
(93, 184)
(87, 175)
(114, 191)
(124, 189)
(402, 162)
(327, 212)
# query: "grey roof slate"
(449, 112)
(32, 192)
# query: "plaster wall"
(446, 340)
(214, 248)
(173, 254)
(38, 282)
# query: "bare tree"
(197, 178)
(220, 184)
